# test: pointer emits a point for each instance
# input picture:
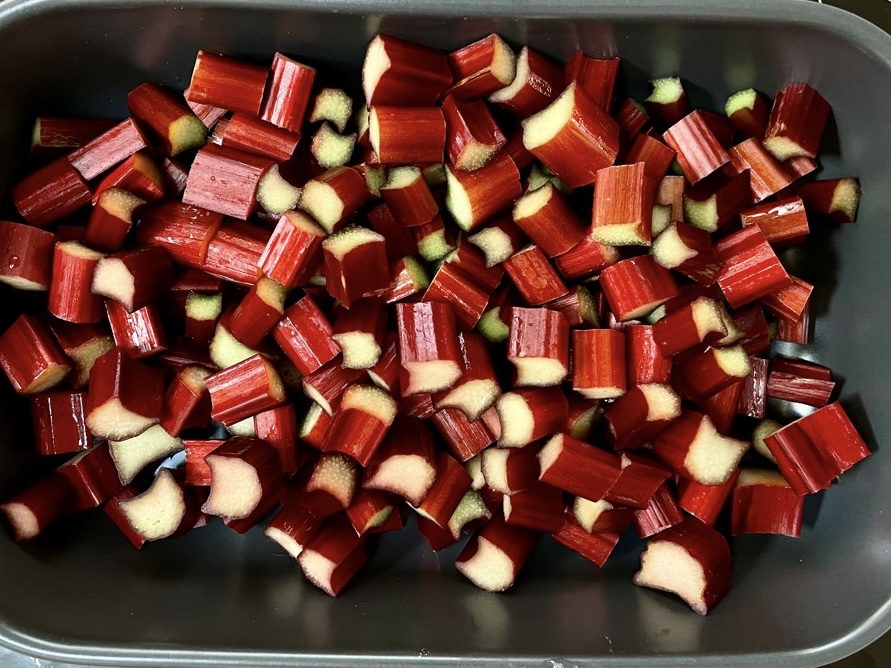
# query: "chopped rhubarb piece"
(107, 150)
(355, 263)
(800, 165)
(538, 346)
(396, 71)
(111, 219)
(429, 350)
(493, 325)
(800, 381)
(595, 547)
(499, 240)
(472, 135)
(315, 425)
(715, 201)
(434, 240)
(578, 306)
(93, 475)
(405, 463)
(797, 120)
(751, 267)
(360, 422)
(225, 350)
(783, 222)
(694, 449)
(259, 312)
(705, 502)
(494, 557)
(330, 149)
(481, 68)
(305, 336)
(408, 196)
(722, 406)
(600, 516)
(653, 154)
(70, 295)
(586, 258)
(369, 510)
(52, 134)
(697, 323)
(288, 94)
(595, 76)
(276, 194)
(326, 384)
(598, 370)
(763, 502)
(183, 231)
(640, 479)
(407, 135)
(645, 362)
(662, 512)
(475, 197)
(539, 508)
(632, 118)
(750, 321)
(132, 455)
(225, 180)
(140, 333)
(209, 114)
(691, 560)
(636, 286)
(546, 217)
(400, 241)
(705, 373)
(578, 468)
(835, 199)
(299, 520)
(246, 482)
(534, 276)
(689, 251)
(477, 388)
(359, 332)
(125, 396)
(753, 396)
(186, 401)
(26, 261)
(227, 83)
(333, 556)
(667, 103)
(640, 414)
(197, 470)
(82, 344)
(670, 193)
(748, 110)
(334, 196)
(510, 470)
(789, 302)
(464, 438)
(333, 105)
(537, 81)
(245, 389)
(32, 510)
(583, 415)
(133, 278)
(528, 414)
(168, 116)
(30, 356)
(408, 279)
(449, 487)
(573, 136)
(244, 132)
(767, 176)
(699, 152)
(59, 423)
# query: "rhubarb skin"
(407, 135)
(586, 258)
(290, 87)
(546, 217)
(538, 346)
(448, 488)
(108, 149)
(93, 476)
(790, 302)
(355, 263)
(278, 427)
(30, 356)
(644, 361)
(481, 68)
(689, 251)
(595, 76)
(655, 156)
(578, 468)
(797, 120)
(835, 199)
(183, 231)
(800, 381)
(464, 438)
(140, 333)
(227, 83)
(705, 502)
(399, 72)
(573, 136)
(168, 116)
(595, 547)
(535, 84)
(50, 194)
(472, 134)
(197, 470)
(475, 197)
(124, 397)
(661, 512)
(293, 251)
(304, 335)
(707, 372)
(468, 300)
(641, 477)
(244, 389)
(70, 292)
(767, 176)
(39, 505)
(763, 502)
(699, 152)
(598, 370)
(539, 507)
(360, 423)
(636, 286)
(225, 180)
(527, 414)
(784, 222)
(640, 414)
(623, 206)
(26, 256)
(428, 340)
(186, 401)
(59, 422)
(326, 384)
(751, 267)
(534, 276)
(750, 321)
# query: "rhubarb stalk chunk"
(477, 388)
(355, 264)
(623, 206)
(797, 120)
(535, 84)
(131, 455)
(333, 556)
(334, 196)
(481, 68)
(528, 414)
(636, 286)
(598, 357)
(227, 83)
(405, 463)
(26, 256)
(474, 197)
(640, 414)
(399, 72)
(245, 389)
(691, 560)
(699, 152)
(578, 468)
(428, 347)
(289, 90)
(546, 217)
(125, 396)
(494, 557)
(538, 346)
(751, 267)
(763, 502)
(30, 356)
(168, 116)
(360, 423)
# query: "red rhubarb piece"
(763, 502)
(538, 346)
(640, 414)
(599, 516)
(370, 510)
(705, 373)
(534, 276)
(790, 302)
(278, 427)
(305, 336)
(699, 152)
(26, 256)
(752, 400)
(360, 422)
(434, 241)
(598, 363)
(573, 137)
(112, 218)
(539, 507)
(595, 76)
(463, 437)
(661, 513)
(767, 176)
(640, 479)
(800, 381)
(578, 468)
(326, 384)
(258, 312)
(498, 240)
(334, 477)
(750, 321)
(244, 132)
(399, 72)
(168, 117)
(783, 222)
(689, 251)
(495, 555)
(333, 556)
(481, 68)
(360, 332)
(245, 389)
(70, 291)
(546, 218)
(93, 476)
(475, 197)
(510, 470)
(595, 547)
(225, 180)
(82, 344)
(234, 251)
(355, 263)
(334, 196)
(699, 322)
(537, 81)
(653, 154)
(400, 241)
(227, 83)
(528, 414)
(797, 120)
(30, 356)
(54, 134)
(408, 196)
(197, 470)
(125, 396)
(644, 361)
(429, 350)
(449, 487)
(407, 135)
(722, 407)
(636, 286)
(186, 401)
(748, 110)
(453, 286)
(108, 149)
(140, 333)
(705, 502)
(133, 278)
(586, 258)
(40, 504)
(183, 231)
(836, 199)
(717, 200)
(59, 421)
(299, 520)
(405, 463)
(477, 388)
(288, 94)
(751, 267)
(472, 135)
(667, 102)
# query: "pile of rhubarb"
(492, 296)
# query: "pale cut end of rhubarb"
(331, 149)
(51, 376)
(470, 508)
(495, 244)
(472, 398)
(662, 402)
(474, 468)
(246, 427)
(532, 202)
(131, 455)
(334, 105)
(603, 392)
(702, 214)
(655, 315)
(458, 202)
(336, 474)
(435, 246)
(204, 307)
(622, 234)
(748, 477)
(318, 569)
(517, 82)
(734, 333)
(22, 520)
(277, 388)
(344, 242)
(517, 421)
(20, 283)
(476, 155)
(492, 327)
(313, 413)
(317, 397)
(402, 177)
(741, 100)
(275, 194)
(712, 457)
(287, 542)
(493, 466)
(120, 203)
(272, 293)
(186, 132)
(432, 376)
(661, 218)
(669, 567)
(549, 454)
(112, 420)
(764, 429)
(489, 568)
(666, 91)
(587, 512)
(669, 249)
(542, 127)
(584, 423)
(504, 62)
(374, 130)
(157, 512)
(112, 279)
(417, 273)
(409, 476)
(375, 178)
(783, 148)
(733, 361)
(225, 350)
(85, 357)
(78, 250)
(539, 371)
(323, 203)
(371, 400)
(435, 175)
(707, 318)
(376, 63)
(846, 198)
(360, 349)
(235, 488)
